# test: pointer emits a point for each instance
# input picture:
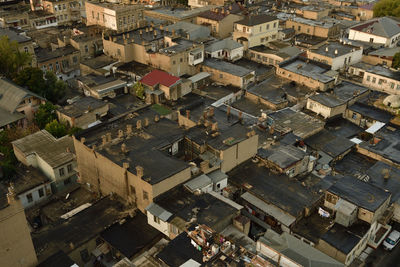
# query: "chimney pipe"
(11, 194)
(83, 139)
(156, 118)
(128, 129)
(139, 171)
(188, 114)
(103, 140)
(125, 165)
(146, 122)
(120, 134)
(108, 137)
(123, 148)
(211, 112)
(139, 124)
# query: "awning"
(269, 209)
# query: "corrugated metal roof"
(159, 212)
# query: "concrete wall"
(309, 82)
(160, 225)
(313, 30)
(238, 153)
(16, 247)
(256, 35)
(381, 83)
(36, 198)
(325, 111)
(338, 62)
(367, 37)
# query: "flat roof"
(327, 100)
(335, 49)
(81, 106)
(131, 237)
(52, 150)
(28, 178)
(371, 112)
(253, 20)
(386, 72)
(269, 91)
(282, 155)
(15, 35)
(308, 68)
(227, 67)
(386, 177)
(346, 91)
(359, 193)
(279, 190)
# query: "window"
(374, 80)
(262, 40)
(51, 67)
(371, 40)
(69, 168)
(252, 54)
(398, 87)
(124, 20)
(308, 30)
(261, 28)
(64, 7)
(174, 229)
(181, 60)
(299, 28)
(119, 52)
(86, 49)
(368, 78)
(57, 66)
(156, 219)
(61, 171)
(173, 62)
(354, 116)
(55, 8)
(41, 192)
(380, 81)
(75, 59)
(93, 14)
(221, 76)
(29, 197)
(65, 17)
(274, 24)
(67, 181)
(267, 26)
(145, 195)
(26, 49)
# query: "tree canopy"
(387, 8)
(45, 114)
(46, 85)
(396, 61)
(12, 60)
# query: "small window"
(181, 60)
(69, 168)
(119, 52)
(267, 26)
(274, 24)
(373, 80)
(64, 7)
(145, 195)
(41, 192)
(29, 197)
(156, 219)
(61, 171)
(133, 190)
(86, 49)
(173, 62)
(354, 116)
(221, 76)
(368, 78)
(26, 49)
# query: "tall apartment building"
(118, 17)
(65, 11)
(256, 30)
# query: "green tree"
(57, 129)
(396, 61)
(12, 60)
(387, 8)
(45, 114)
(46, 85)
(139, 90)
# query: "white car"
(392, 240)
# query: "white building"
(225, 49)
(385, 31)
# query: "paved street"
(383, 258)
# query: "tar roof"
(384, 26)
(81, 106)
(159, 77)
(79, 229)
(360, 193)
(279, 190)
(99, 62)
(144, 147)
(308, 68)
(59, 259)
(386, 177)
(220, 13)
(131, 237)
(205, 208)
(282, 155)
(329, 143)
(44, 54)
(28, 178)
(346, 90)
(227, 67)
(327, 100)
(256, 20)
(335, 49)
(11, 95)
(52, 150)
(386, 72)
(340, 238)
(179, 250)
(227, 43)
(371, 112)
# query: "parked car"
(392, 240)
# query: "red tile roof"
(159, 77)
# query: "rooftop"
(279, 190)
(283, 156)
(359, 193)
(327, 100)
(50, 149)
(256, 20)
(386, 72)
(371, 112)
(144, 147)
(227, 43)
(308, 68)
(386, 177)
(28, 178)
(131, 237)
(15, 35)
(159, 77)
(220, 13)
(384, 26)
(329, 143)
(45, 54)
(335, 49)
(179, 13)
(347, 91)
(81, 106)
(227, 67)
(99, 62)
(341, 238)
(59, 259)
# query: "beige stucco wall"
(16, 247)
(325, 111)
(238, 153)
(311, 83)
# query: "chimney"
(120, 134)
(240, 116)
(72, 246)
(336, 51)
(146, 122)
(108, 137)
(326, 49)
(103, 140)
(83, 139)
(68, 150)
(188, 114)
(214, 127)
(228, 111)
(11, 194)
(139, 124)
(139, 171)
(128, 129)
(211, 112)
(123, 148)
(204, 165)
(125, 165)
(156, 118)
(205, 115)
